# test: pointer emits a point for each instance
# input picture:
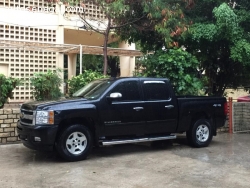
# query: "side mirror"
(115, 95)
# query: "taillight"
(225, 108)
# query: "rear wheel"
(200, 133)
(74, 143)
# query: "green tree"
(177, 65)
(220, 39)
(163, 23)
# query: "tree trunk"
(113, 65)
(105, 56)
(105, 46)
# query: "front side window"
(155, 90)
(129, 91)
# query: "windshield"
(94, 89)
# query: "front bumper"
(46, 133)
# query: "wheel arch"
(186, 121)
(86, 121)
(204, 115)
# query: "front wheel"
(74, 143)
(200, 133)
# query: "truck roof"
(133, 78)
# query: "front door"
(124, 116)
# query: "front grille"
(27, 116)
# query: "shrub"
(7, 85)
(177, 65)
(77, 82)
(47, 85)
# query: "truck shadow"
(31, 156)
(126, 149)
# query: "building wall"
(17, 23)
(23, 64)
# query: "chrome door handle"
(169, 106)
(138, 108)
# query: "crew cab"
(116, 111)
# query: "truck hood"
(45, 105)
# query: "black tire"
(74, 143)
(200, 133)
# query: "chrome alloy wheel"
(202, 133)
(76, 143)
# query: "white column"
(127, 63)
(72, 65)
(131, 65)
(60, 65)
(60, 40)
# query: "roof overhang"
(67, 48)
(73, 35)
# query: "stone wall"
(241, 117)
(8, 120)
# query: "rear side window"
(129, 91)
(155, 90)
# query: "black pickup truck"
(117, 111)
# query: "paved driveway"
(226, 163)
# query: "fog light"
(37, 139)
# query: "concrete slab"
(225, 163)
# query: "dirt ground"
(225, 163)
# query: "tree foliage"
(177, 65)
(46, 85)
(219, 38)
(7, 85)
(163, 24)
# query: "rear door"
(160, 107)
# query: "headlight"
(45, 117)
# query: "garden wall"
(8, 120)
(241, 117)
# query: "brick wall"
(8, 119)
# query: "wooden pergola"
(67, 48)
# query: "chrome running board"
(136, 140)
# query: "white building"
(34, 34)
